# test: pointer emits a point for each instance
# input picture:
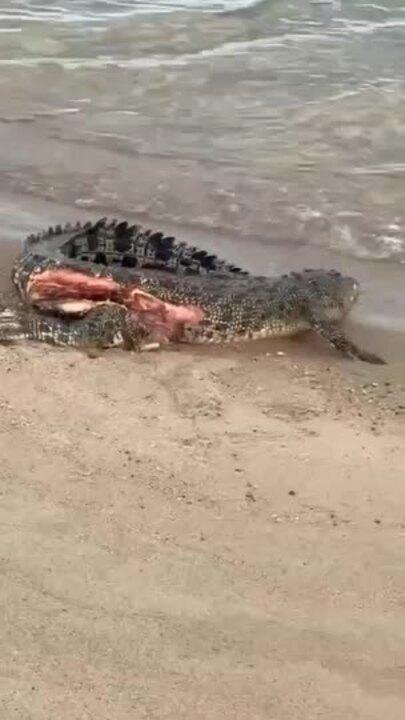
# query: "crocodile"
(111, 284)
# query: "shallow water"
(282, 125)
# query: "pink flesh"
(75, 293)
(165, 320)
(64, 284)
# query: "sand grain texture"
(197, 535)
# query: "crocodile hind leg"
(334, 335)
(104, 326)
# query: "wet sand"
(200, 534)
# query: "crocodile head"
(330, 292)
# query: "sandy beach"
(201, 534)
(207, 533)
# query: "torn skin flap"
(141, 301)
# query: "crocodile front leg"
(334, 335)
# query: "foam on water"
(100, 10)
(76, 11)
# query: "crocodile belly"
(205, 334)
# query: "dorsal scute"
(146, 247)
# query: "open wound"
(74, 293)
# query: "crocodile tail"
(12, 327)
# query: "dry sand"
(201, 535)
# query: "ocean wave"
(76, 11)
(282, 113)
(225, 49)
(101, 10)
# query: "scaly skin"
(232, 305)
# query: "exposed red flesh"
(75, 293)
(165, 320)
(68, 284)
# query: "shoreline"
(207, 532)
(377, 321)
